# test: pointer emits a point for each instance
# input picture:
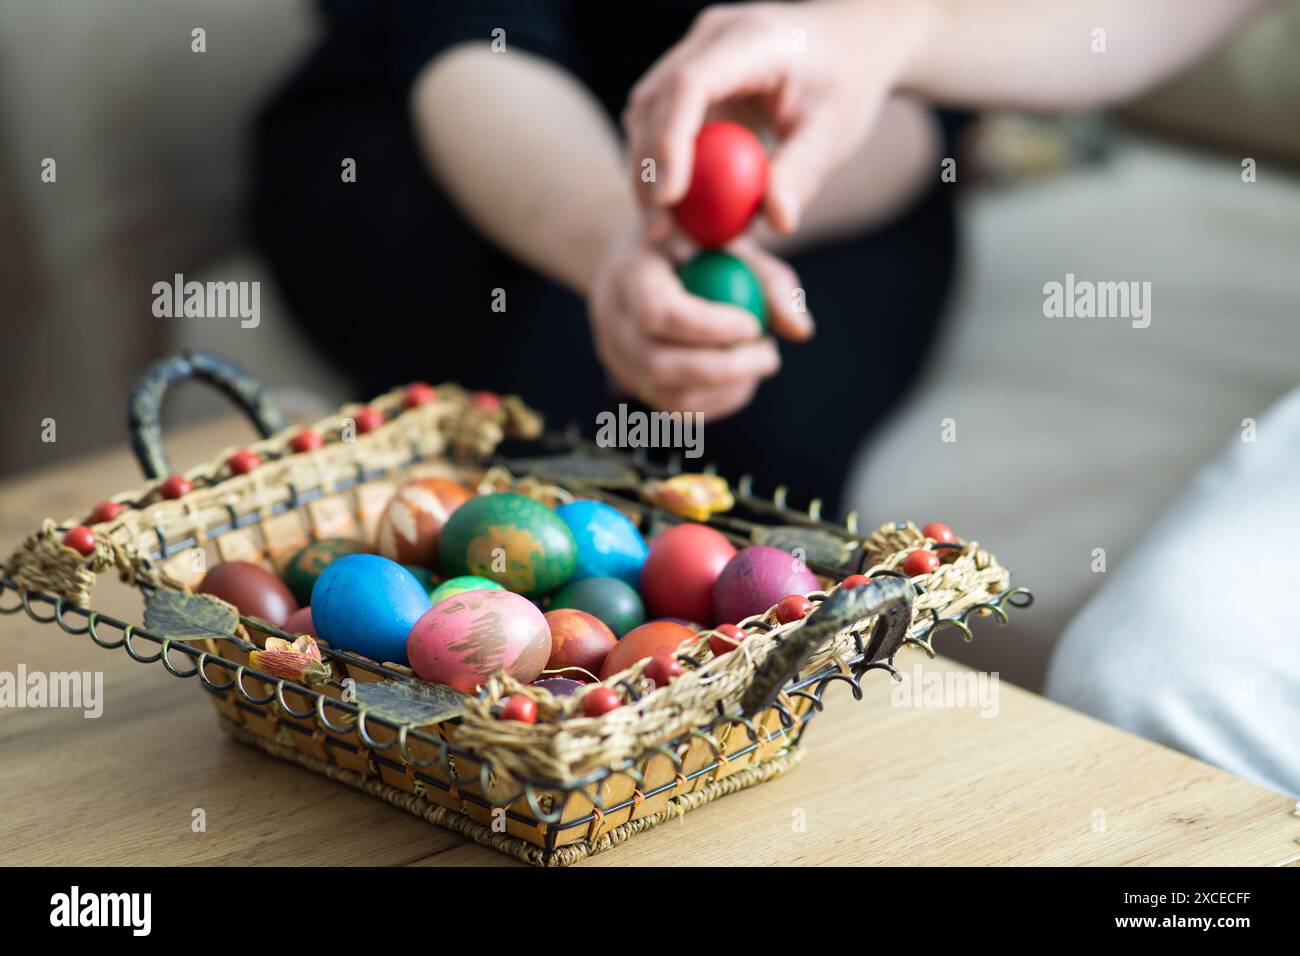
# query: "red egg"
(299, 622)
(367, 419)
(648, 640)
(410, 525)
(728, 179)
(243, 461)
(255, 591)
(176, 486)
(470, 636)
(419, 393)
(755, 579)
(855, 581)
(306, 440)
(578, 639)
(105, 511)
(680, 570)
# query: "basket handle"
(145, 402)
(888, 597)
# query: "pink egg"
(467, 638)
(755, 579)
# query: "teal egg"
(609, 545)
(466, 582)
(608, 599)
(511, 539)
(423, 575)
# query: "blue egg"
(368, 604)
(609, 546)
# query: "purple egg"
(755, 579)
(559, 686)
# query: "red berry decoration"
(419, 393)
(488, 401)
(727, 639)
(662, 669)
(728, 179)
(600, 700)
(105, 511)
(243, 461)
(306, 440)
(368, 419)
(793, 607)
(939, 532)
(920, 562)
(176, 486)
(520, 708)
(80, 539)
(854, 581)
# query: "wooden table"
(1037, 784)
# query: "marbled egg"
(368, 604)
(305, 566)
(512, 539)
(578, 639)
(255, 591)
(609, 600)
(466, 582)
(609, 545)
(465, 639)
(648, 640)
(755, 579)
(414, 518)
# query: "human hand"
(817, 72)
(675, 351)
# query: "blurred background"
(1071, 434)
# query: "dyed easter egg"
(728, 179)
(423, 575)
(609, 545)
(755, 579)
(467, 638)
(300, 622)
(559, 686)
(305, 566)
(721, 277)
(680, 569)
(368, 604)
(648, 640)
(512, 539)
(578, 639)
(255, 591)
(609, 600)
(466, 582)
(411, 524)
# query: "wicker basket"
(550, 793)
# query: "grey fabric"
(1195, 640)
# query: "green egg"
(511, 539)
(721, 277)
(459, 585)
(305, 566)
(607, 599)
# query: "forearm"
(1039, 54)
(528, 156)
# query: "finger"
(712, 403)
(675, 366)
(788, 315)
(800, 166)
